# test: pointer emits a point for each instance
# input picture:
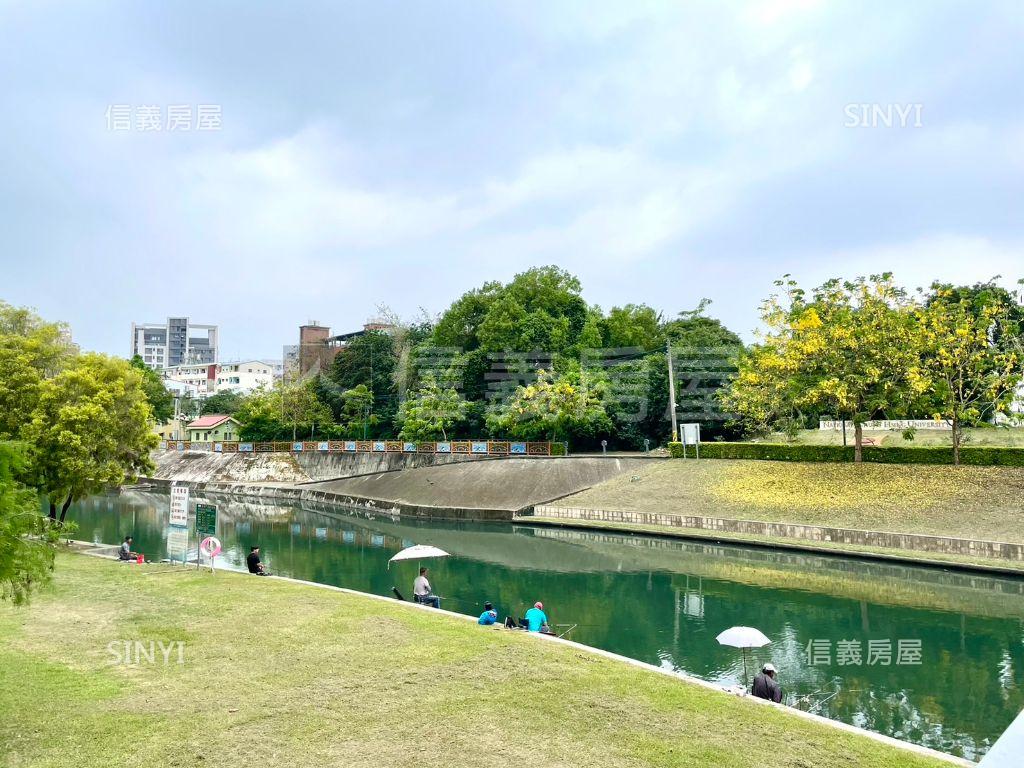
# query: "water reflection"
(664, 602)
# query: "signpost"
(177, 529)
(689, 434)
(206, 520)
(179, 506)
(206, 529)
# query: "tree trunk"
(64, 508)
(444, 435)
(858, 442)
(957, 430)
(53, 511)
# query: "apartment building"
(176, 342)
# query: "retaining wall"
(886, 539)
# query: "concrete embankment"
(429, 486)
(207, 467)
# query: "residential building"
(213, 427)
(245, 377)
(176, 342)
(241, 377)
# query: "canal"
(924, 655)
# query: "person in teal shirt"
(536, 619)
(489, 616)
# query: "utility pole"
(671, 390)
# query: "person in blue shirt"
(536, 619)
(489, 616)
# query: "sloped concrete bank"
(205, 466)
(483, 489)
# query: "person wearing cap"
(765, 686)
(536, 619)
(489, 616)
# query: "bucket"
(140, 559)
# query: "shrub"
(973, 455)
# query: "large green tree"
(26, 538)
(553, 408)
(368, 360)
(160, 400)
(291, 410)
(972, 354)
(31, 350)
(89, 431)
(226, 402)
(431, 411)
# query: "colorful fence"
(471, 447)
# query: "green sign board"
(206, 520)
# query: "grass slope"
(969, 502)
(281, 674)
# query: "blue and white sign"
(380, 446)
(181, 446)
(322, 446)
(245, 447)
(517, 448)
(479, 447)
(444, 447)
(409, 447)
(163, 445)
(296, 446)
(218, 447)
(350, 445)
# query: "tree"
(226, 402)
(851, 348)
(551, 408)
(89, 431)
(31, 350)
(357, 412)
(369, 360)
(430, 411)
(634, 325)
(27, 538)
(160, 400)
(291, 409)
(972, 355)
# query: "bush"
(972, 455)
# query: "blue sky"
(403, 153)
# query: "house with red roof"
(213, 428)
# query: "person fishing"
(536, 619)
(489, 616)
(765, 685)
(422, 592)
(125, 550)
(254, 564)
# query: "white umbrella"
(1005, 753)
(743, 637)
(418, 552)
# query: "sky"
(402, 153)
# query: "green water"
(664, 602)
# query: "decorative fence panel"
(461, 447)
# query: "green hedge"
(974, 455)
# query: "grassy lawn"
(970, 502)
(281, 674)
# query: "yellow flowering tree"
(851, 348)
(973, 357)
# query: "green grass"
(282, 674)
(967, 502)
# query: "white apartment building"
(174, 343)
(241, 377)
